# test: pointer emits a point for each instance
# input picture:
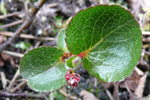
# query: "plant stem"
(11, 24)
(24, 26)
(10, 15)
(15, 54)
(22, 95)
(26, 36)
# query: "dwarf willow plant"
(107, 38)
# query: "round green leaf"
(49, 80)
(111, 37)
(40, 67)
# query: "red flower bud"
(73, 82)
(72, 79)
(67, 76)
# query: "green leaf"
(49, 80)
(110, 36)
(23, 45)
(2, 8)
(58, 20)
(43, 69)
(61, 43)
(73, 61)
(69, 62)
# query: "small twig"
(52, 5)
(143, 20)
(27, 36)
(138, 71)
(4, 80)
(67, 95)
(145, 39)
(25, 25)
(12, 24)
(10, 15)
(19, 86)
(51, 96)
(26, 8)
(37, 44)
(20, 80)
(132, 95)
(116, 91)
(22, 95)
(107, 92)
(14, 79)
(95, 82)
(140, 88)
(145, 33)
(147, 53)
(145, 46)
(13, 53)
(128, 88)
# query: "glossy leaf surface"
(43, 69)
(110, 36)
(49, 80)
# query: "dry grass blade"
(145, 33)
(13, 53)
(13, 80)
(10, 15)
(67, 95)
(140, 88)
(19, 86)
(27, 36)
(4, 80)
(12, 24)
(25, 25)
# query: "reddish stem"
(83, 54)
(66, 55)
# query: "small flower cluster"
(72, 78)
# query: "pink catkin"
(72, 79)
